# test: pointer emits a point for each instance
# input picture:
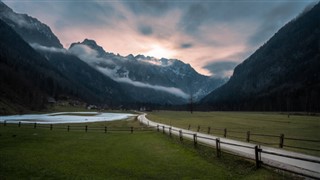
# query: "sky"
(211, 35)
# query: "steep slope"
(166, 76)
(91, 85)
(281, 75)
(105, 78)
(88, 84)
(27, 79)
(30, 29)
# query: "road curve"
(311, 169)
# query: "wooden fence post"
(281, 140)
(105, 129)
(86, 129)
(170, 131)
(131, 129)
(4, 123)
(209, 128)
(180, 135)
(189, 127)
(218, 149)
(35, 125)
(158, 127)
(195, 142)
(198, 128)
(68, 128)
(163, 129)
(50, 127)
(258, 157)
(19, 124)
(225, 132)
(248, 136)
(148, 123)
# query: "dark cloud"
(148, 7)
(186, 45)
(220, 68)
(222, 27)
(194, 17)
(274, 20)
(88, 13)
(268, 15)
(145, 30)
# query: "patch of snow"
(63, 117)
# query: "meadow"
(39, 153)
(237, 124)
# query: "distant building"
(51, 100)
(89, 107)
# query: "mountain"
(91, 85)
(27, 79)
(30, 29)
(25, 86)
(282, 75)
(161, 80)
(96, 76)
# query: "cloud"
(147, 7)
(48, 49)
(89, 56)
(170, 90)
(196, 32)
(194, 17)
(18, 19)
(273, 20)
(186, 45)
(145, 30)
(222, 68)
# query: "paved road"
(300, 166)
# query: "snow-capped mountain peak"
(146, 70)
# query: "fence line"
(258, 152)
(248, 136)
(195, 138)
(84, 128)
(257, 149)
(226, 133)
(291, 157)
(253, 134)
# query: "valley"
(85, 85)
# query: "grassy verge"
(238, 123)
(28, 153)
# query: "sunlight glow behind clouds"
(159, 52)
(196, 32)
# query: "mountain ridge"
(146, 69)
(31, 29)
(281, 75)
(173, 78)
(24, 88)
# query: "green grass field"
(28, 153)
(295, 126)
